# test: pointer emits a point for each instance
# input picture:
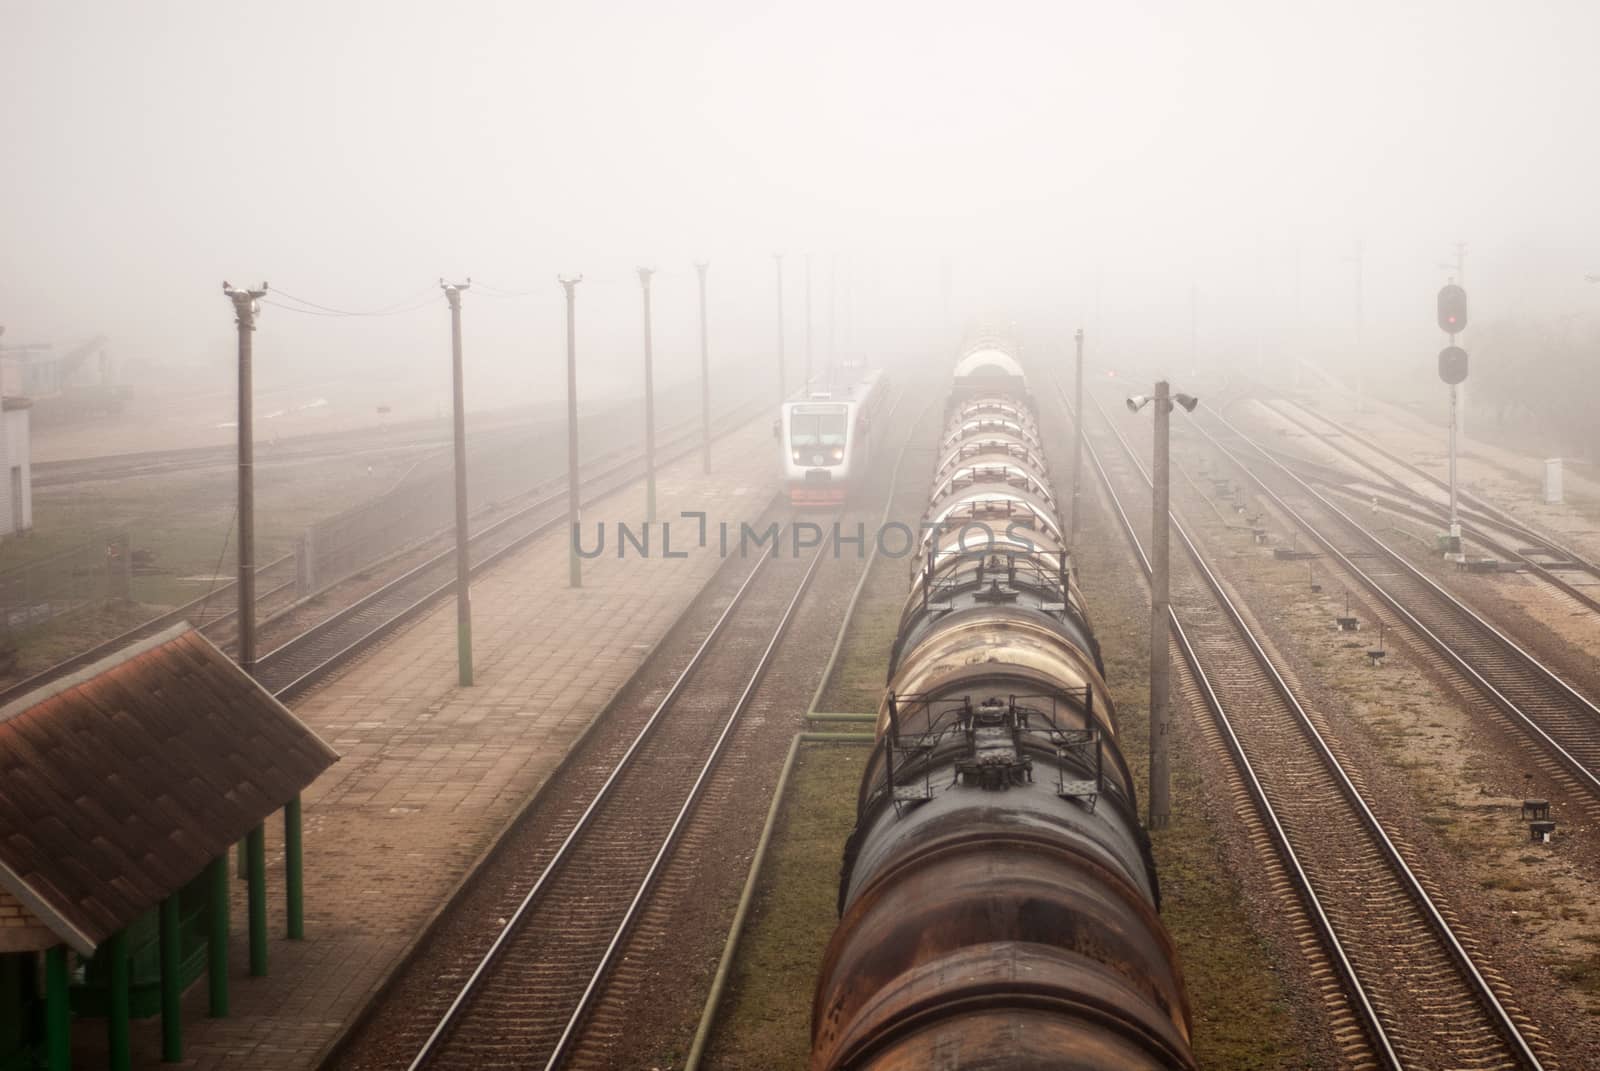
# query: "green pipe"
(217, 936)
(57, 1011)
(119, 1054)
(294, 869)
(816, 715)
(708, 1016)
(171, 983)
(256, 846)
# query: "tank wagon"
(998, 902)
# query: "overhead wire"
(313, 308)
(421, 299)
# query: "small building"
(122, 788)
(16, 460)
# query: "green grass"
(765, 1020)
(186, 521)
(1240, 1007)
(858, 680)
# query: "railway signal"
(1452, 308)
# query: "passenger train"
(827, 441)
(998, 900)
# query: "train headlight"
(838, 453)
(796, 455)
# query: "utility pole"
(833, 287)
(1297, 358)
(783, 379)
(1194, 324)
(1160, 656)
(1098, 286)
(805, 384)
(452, 294)
(944, 298)
(1360, 318)
(574, 567)
(1160, 602)
(649, 405)
(1077, 436)
(705, 371)
(244, 315)
(1461, 280)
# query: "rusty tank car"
(998, 901)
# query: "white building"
(16, 463)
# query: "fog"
(1121, 166)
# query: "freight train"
(998, 901)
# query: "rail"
(1501, 1020)
(1586, 710)
(432, 1047)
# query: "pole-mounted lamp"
(1160, 584)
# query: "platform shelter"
(122, 788)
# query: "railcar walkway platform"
(432, 771)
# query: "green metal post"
(256, 844)
(57, 1011)
(294, 869)
(217, 936)
(119, 1054)
(171, 983)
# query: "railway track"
(541, 957)
(1534, 701)
(422, 439)
(291, 668)
(298, 663)
(1480, 521)
(158, 463)
(524, 1003)
(1429, 480)
(1403, 986)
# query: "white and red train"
(826, 440)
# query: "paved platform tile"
(431, 771)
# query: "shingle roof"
(119, 783)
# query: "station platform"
(431, 772)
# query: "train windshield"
(817, 425)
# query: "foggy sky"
(1072, 163)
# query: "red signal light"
(1452, 309)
